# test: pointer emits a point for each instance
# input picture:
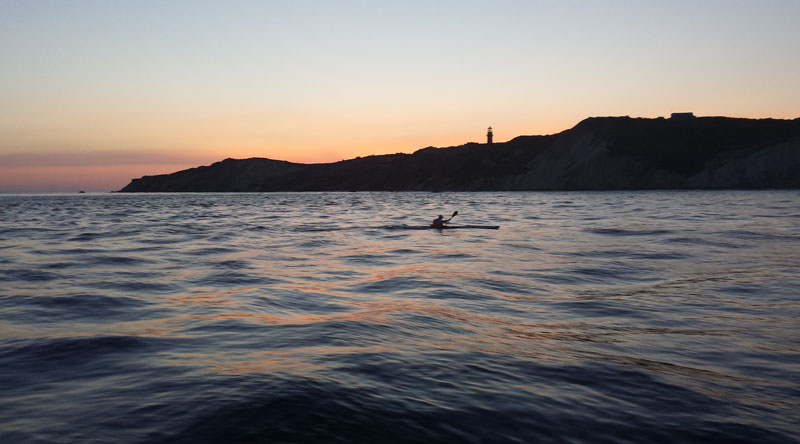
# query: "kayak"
(469, 227)
(446, 227)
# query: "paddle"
(454, 215)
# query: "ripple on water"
(424, 399)
(135, 286)
(700, 241)
(111, 260)
(396, 284)
(369, 259)
(234, 279)
(627, 254)
(27, 362)
(210, 251)
(79, 306)
(28, 275)
(627, 232)
(232, 264)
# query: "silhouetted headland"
(600, 153)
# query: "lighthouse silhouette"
(489, 136)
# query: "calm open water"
(314, 317)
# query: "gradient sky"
(95, 93)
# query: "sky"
(96, 93)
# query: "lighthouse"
(489, 136)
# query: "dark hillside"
(684, 146)
(601, 153)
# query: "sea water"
(315, 317)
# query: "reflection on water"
(588, 317)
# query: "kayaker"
(438, 222)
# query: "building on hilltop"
(489, 136)
(682, 116)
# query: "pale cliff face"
(585, 160)
(577, 162)
(773, 166)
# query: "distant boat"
(81, 192)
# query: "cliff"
(601, 153)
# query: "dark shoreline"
(598, 154)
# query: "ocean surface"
(604, 317)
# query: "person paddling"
(439, 221)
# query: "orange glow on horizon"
(98, 170)
(73, 178)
